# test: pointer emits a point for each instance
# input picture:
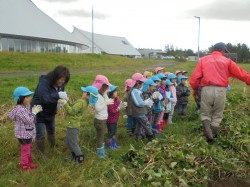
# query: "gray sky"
(153, 24)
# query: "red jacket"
(113, 111)
(214, 70)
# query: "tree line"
(242, 51)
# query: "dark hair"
(57, 73)
(137, 83)
(20, 100)
(110, 94)
(104, 87)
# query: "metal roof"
(24, 18)
(114, 45)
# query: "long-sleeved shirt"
(24, 122)
(113, 112)
(101, 108)
(214, 70)
(173, 91)
(137, 97)
(74, 113)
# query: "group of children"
(148, 104)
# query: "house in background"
(25, 28)
(105, 44)
(153, 53)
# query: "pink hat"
(147, 74)
(167, 73)
(100, 80)
(158, 69)
(138, 77)
(129, 83)
(177, 71)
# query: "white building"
(25, 28)
(104, 44)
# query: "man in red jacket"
(211, 74)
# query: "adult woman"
(49, 90)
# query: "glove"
(36, 109)
(160, 97)
(62, 95)
(122, 105)
(109, 101)
(125, 116)
(149, 102)
(61, 103)
(156, 95)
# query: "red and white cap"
(158, 69)
(177, 71)
(100, 80)
(167, 73)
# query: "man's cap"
(220, 46)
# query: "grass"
(94, 172)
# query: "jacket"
(101, 109)
(214, 70)
(113, 112)
(145, 96)
(47, 96)
(24, 122)
(74, 113)
(182, 93)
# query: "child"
(185, 73)
(156, 105)
(158, 70)
(178, 73)
(137, 107)
(101, 113)
(172, 77)
(74, 115)
(147, 74)
(24, 125)
(168, 100)
(147, 90)
(182, 93)
(129, 84)
(113, 116)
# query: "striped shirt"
(24, 122)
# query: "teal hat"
(155, 78)
(180, 78)
(161, 76)
(91, 89)
(112, 88)
(168, 83)
(21, 91)
(147, 83)
(172, 76)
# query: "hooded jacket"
(47, 96)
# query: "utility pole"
(199, 19)
(93, 50)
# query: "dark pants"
(112, 129)
(100, 126)
(49, 124)
(182, 109)
(142, 122)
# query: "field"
(178, 157)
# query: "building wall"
(34, 45)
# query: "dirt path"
(18, 74)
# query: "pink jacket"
(113, 112)
(24, 122)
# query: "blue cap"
(155, 78)
(168, 83)
(220, 46)
(180, 78)
(91, 89)
(112, 88)
(92, 100)
(21, 91)
(161, 76)
(172, 76)
(147, 83)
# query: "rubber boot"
(215, 131)
(79, 159)
(101, 152)
(51, 140)
(105, 153)
(162, 126)
(165, 122)
(40, 145)
(31, 164)
(208, 131)
(170, 122)
(154, 129)
(71, 158)
(111, 144)
(24, 157)
(159, 127)
(114, 142)
(150, 137)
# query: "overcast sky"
(153, 24)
